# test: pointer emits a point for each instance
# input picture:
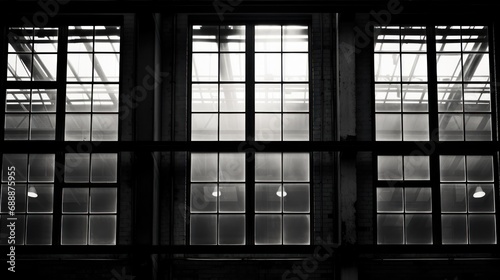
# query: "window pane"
(203, 230)
(5, 231)
(418, 229)
(22, 39)
(232, 167)
(416, 168)
(453, 198)
(295, 98)
(268, 98)
(415, 127)
(232, 198)
(107, 67)
(268, 38)
(415, 98)
(414, 67)
(205, 38)
(45, 67)
(76, 168)
(232, 38)
(295, 127)
(204, 198)
(103, 200)
(41, 168)
(267, 127)
(450, 98)
(74, 229)
(268, 67)
(295, 67)
(45, 39)
(390, 200)
(475, 38)
(448, 38)
(43, 100)
(387, 67)
(477, 127)
(413, 39)
(390, 229)
(267, 167)
(105, 98)
(295, 167)
(20, 162)
(102, 230)
(204, 98)
(79, 67)
(77, 127)
(43, 127)
(454, 228)
(477, 97)
(232, 230)
(18, 100)
(232, 97)
(105, 127)
(480, 168)
(80, 38)
(390, 167)
(19, 67)
(107, 39)
(452, 168)
(204, 127)
(388, 98)
(205, 67)
(104, 168)
(232, 127)
(388, 127)
(296, 198)
(482, 229)
(481, 198)
(418, 200)
(449, 67)
(75, 200)
(451, 127)
(267, 198)
(44, 202)
(16, 126)
(203, 167)
(476, 67)
(78, 97)
(39, 230)
(295, 38)
(268, 230)
(232, 67)
(296, 229)
(20, 198)
(387, 38)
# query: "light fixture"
(32, 192)
(280, 192)
(478, 193)
(215, 192)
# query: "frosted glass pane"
(450, 98)
(477, 127)
(204, 98)
(418, 229)
(452, 168)
(43, 100)
(388, 98)
(415, 98)
(482, 229)
(390, 167)
(43, 127)
(295, 98)
(477, 98)
(16, 127)
(267, 167)
(102, 230)
(20, 162)
(77, 127)
(78, 97)
(479, 168)
(232, 198)
(267, 127)
(418, 200)
(387, 38)
(74, 230)
(203, 230)
(45, 67)
(297, 198)
(106, 67)
(18, 100)
(204, 127)
(296, 230)
(295, 38)
(481, 204)
(105, 127)
(204, 198)
(39, 230)
(205, 38)
(267, 38)
(414, 67)
(454, 228)
(75, 200)
(76, 168)
(268, 67)
(388, 127)
(267, 199)
(41, 167)
(232, 38)
(231, 167)
(232, 67)
(390, 200)
(295, 67)
(415, 127)
(268, 98)
(19, 67)
(449, 67)
(453, 198)
(232, 97)
(104, 168)
(451, 127)
(205, 67)
(296, 167)
(390, 229)
(44, 203)
(20, 198)
(268, 230)
(387, 67)
(295, 127)
(416, 168)
(232, 230)
(79, 67)
(232, 127)
(5, 231)
(476, 67)
(105, 98)
(203, 167)
(103, 200)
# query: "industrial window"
(249, 82)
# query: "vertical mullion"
(3, 73)
(493, 81)
(400, 82)
(219, 70)
(250, 132)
